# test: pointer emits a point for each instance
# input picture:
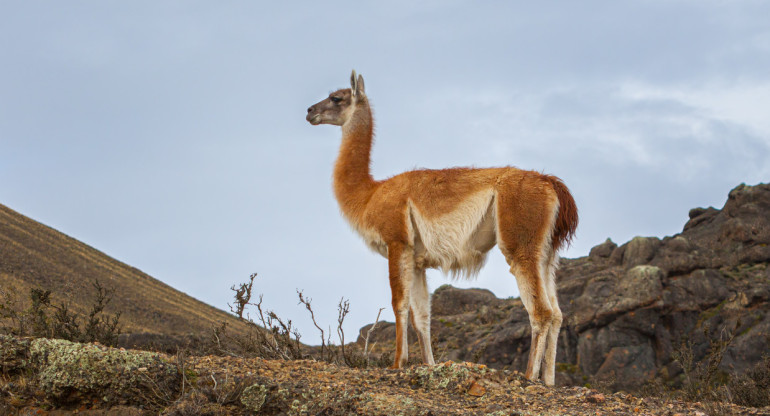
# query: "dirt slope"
(34, 255)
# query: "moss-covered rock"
(253, 397)
(13, 353)
(70, 371)
(448, 375)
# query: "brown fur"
(442, 218)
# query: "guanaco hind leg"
(553, 332)
(534, 296)
(524, 237)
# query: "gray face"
(332, 110)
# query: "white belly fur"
(456, 242)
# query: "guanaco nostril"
(310, 109)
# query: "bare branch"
(343, 308)
(306, 301)
(242, 296)
(368, 333)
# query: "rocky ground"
(55, 377)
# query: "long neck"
(353, 183)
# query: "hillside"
(34, 255)
(628, 308)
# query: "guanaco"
(449, 219)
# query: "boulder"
(627, 368)
(609, 295)
(640, 250)
(448, 300)
(699, 290)
(603, 250)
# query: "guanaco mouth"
(315, 120)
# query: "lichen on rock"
(253, 397)
(68, 370)
(13, 353)
(446, 375)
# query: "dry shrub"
(753, 387)
(272, 337)
(275, 338)
(41, 318)
(212, 394)
(703, 382)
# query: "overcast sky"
(171, 134)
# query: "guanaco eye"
(335, 99)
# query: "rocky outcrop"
(628, 307)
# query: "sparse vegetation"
(753, 388)
(42, 318)
(273, 337)
(699, 381)
(703, 381)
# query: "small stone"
(477, 390)
(595, 398)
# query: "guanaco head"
(338, 107)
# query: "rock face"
(628, 307)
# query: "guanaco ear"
(356, 84)
(360, 86)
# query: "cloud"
(613, 125)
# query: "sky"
(172, 136)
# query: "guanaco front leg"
(400, 259)
(419, 313)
